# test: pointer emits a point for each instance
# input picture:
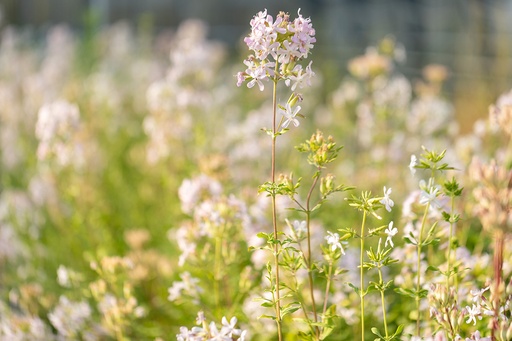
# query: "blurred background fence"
(472, 37)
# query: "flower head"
(280, 41)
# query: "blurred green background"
(471, 37)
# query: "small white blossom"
(290, 114)
(299, 76)
(390, 232)
(413, 163)
(63, 276)
(187, 286)
(298, 228)
(476, 337)
(474, 312)
(429, 194)
(478, 294)
(333, 239)
(228, 328)
(386, 200)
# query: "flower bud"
(508, 335)
(294, 99)
(327, 184)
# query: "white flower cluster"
(206, 332)
(188, 88)
(56, 129)
(277, 46)
(188, 286)
(69, 318)
(193, 191)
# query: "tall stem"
(309, 263)
(448, 257)
(383, 304)
(216, 275)
(361, 283)
(327, 287)
(418, 278)
(498, 266)
(274, 210)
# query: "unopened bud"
(294, 99)
(327, 184)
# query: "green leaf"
(289, 309)
(410, 239)
(432, 268)
(263, 235)
(317, 206)
(405, 292)
(376, 332)
(326, 331)
(356, 289)
(431, 230)
(423, 293)
(446, 216)
(398, 332)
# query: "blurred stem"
(361, 283)
(418, 278)
(301, 302)
(274, 209)
(327, 287)
(216, 275)
(309, 262)
(448, 257)
(383, 304)
(508, 155)
(499, 239)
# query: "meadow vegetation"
(157, 188)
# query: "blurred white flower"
(429, 194)
(63, 276)
(194, 190)
(413, 163)
(57, 126)
(69, 317)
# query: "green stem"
(302, 304)
(274, 210)
(216, 275)
(508, 155)
(310, 274)
(361, 283)
(418, 278)
(327, 287)
(309, 262)
(448, 257)
(383, 305)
